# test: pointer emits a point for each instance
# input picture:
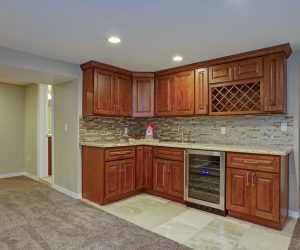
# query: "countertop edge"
(223, 148)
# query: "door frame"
(42, 132)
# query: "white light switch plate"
(66, 127)
(223, 130)
(283, 126)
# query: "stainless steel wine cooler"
(205, 178)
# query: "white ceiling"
(152, 31)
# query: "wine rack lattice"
(237, 98)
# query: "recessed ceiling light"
(177, 58)
(114, 39)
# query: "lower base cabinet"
(144, 167)
(257, 188)
(108, 174)
(168, 177)
(119, 177)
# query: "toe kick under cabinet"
(257, 188)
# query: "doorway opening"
(46, 173)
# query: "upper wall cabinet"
(239, 70)
(248, 83)
(201, 91)
(106, 91)
(143, 95)
(174, 94)
(275, 83)
(252, 86)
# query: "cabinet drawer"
(221, 73)
(174, 154)
(250, 68)
(264, 163)
(112, 154)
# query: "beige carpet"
(34, 216)
(295, 241)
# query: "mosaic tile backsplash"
(250, 130)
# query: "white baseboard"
(293, 213)
(31, 176)
(8, 175)
(67, 192)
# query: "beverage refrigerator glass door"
(205, 178)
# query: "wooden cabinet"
(257, 188)
(247, 69)
(143, 95)
(265, 195)
(144, 167)
(107, 90)
(168, 177)
(183, 91)
(201, 91)
(238, 193)
(112, 179)
(108, 174)
(176, 178)
(174, 94)
(127, 180)
(239, 70)
(119, 177)
(103, 92)
(160, 175)
(275, 83)
(163, 96)
(123, 95)
(168, 172)
(221, 73)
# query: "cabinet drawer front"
(119, 153)
(250, 68)
(169, 153)
(221, 73)
(264, 163)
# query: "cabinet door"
(103, 92)
(160, 175)
(238, 192)
(143, 97)
(123, 95)
(127, 175)
(275, 83)
(250, 68)
(201, 91)
(265, 195)
(148, 167)
(183, 93)
(139, 167)
(163, 96)
(112, 179)
(221, 73)
(176, 178)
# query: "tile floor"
(198, 229)
(47, 180)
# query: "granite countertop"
(271, 150)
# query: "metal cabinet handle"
(253, 174)
(169, 168)
(248, 173)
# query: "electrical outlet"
(223, 130)
(283, 126)
(28, 158)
